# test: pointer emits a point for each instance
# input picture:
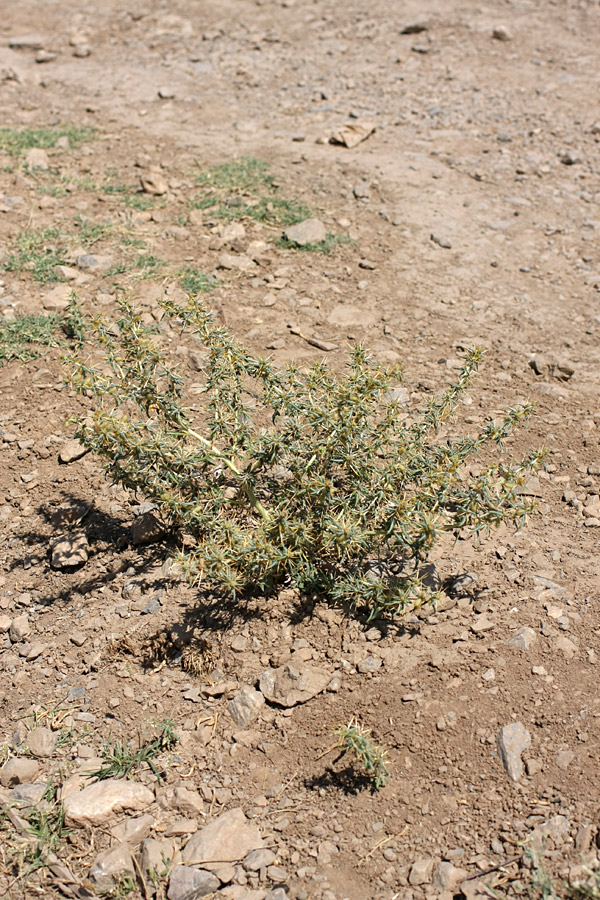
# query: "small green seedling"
(354, 738)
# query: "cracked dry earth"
(473, 213)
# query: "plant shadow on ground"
(347, 781)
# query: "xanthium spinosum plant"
(295, 477)
(354, 738)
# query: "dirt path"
(470, 215)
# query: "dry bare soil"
(472, 213)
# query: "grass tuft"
(27, 337)
(195, 281)
(16, 142)
(121, 760)
(244, 189)
(354, 738)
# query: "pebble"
(369, 664)
(18, 770)
(564, 758)
(245, 708)
(42, 742)
(188, 882)
(98, 803)
(259, 859)
(69, 550)
(19, 628)
(310, 231)
(57, 299)
(156, 855)
(228, 838)
(441, 241)
(153, 182)
(288, 686)
(512, 740)
(37, 158)
(523, 639)
(71, 451)
(26, 42)
(420, 871)
(111, 865)
(92, 262)
(133, 831)
(362, 191)
(447, 877)
(235, 261)
(146, 529)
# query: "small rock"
(228, 838)
(512, 740)
(82, 51)
(154, 183)
(92, 263)
(42, 742)
(447, 877)
(37, 158)
(156, 856)
(166, 93)
(288, 686)
(235, 261)
(71, 451)
(186, 882)
(441, 241)
(180, 827)
(66, 273)
(5, 622)
(566, 646)
(482, 624)
(146, 529)
(57, 299)
(19, 628)
(311, 231)
(420, 871)
(523, 639)
(18, 771)
(245, 708)
(259, 859)
(26, 42)
(500, 33)
(133, 831)
(564, 758)
(362, 191)
(369, 664)
(353, 133)
(99, 802)
(69, 550)
(111, 865)
(187, 802)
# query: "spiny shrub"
(291, 476)
(354, 738)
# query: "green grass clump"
(297, 477)
(16, 142)
(27, 337)
(37, 250)
(121, 760)
(195, 281)
(244, 189)
(354, 738)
